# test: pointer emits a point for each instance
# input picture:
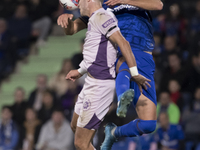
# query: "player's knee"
(79, 145)
(147, 126)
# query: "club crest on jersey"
(75, 2)
(107, 23)
(86, 104)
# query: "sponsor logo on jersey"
(120, 7)
(107, 23)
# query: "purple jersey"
(98, 52)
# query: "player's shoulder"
(103, 16)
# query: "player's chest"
(92, 32)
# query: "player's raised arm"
(125, 48)
(144, 4)
(71, 27)
(108, 26)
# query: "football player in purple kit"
(99, 54)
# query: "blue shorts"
(146, 67)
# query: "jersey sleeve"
(83, 65)
(106, 23)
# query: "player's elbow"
(125, 46)
(126, 43)
(68, 33)
(159, 5)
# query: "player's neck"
(94, 8)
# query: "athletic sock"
(136, 127)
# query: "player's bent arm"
(125, 48)
(75, 26)
(70, 27)
(147, 4)
(144, 4)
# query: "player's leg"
(146, 110)
(77, 109)
(145, 103)
(146, 124)
(145, 107)
(124, 93)
(83, 139)
(74, 122)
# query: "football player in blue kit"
(135, 24)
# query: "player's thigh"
(83, 138)
(74, 122)
(146, 109)
(77, 109)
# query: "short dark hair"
(164, 91)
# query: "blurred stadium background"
(35, 57)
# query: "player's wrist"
(134, 71)
(82, 71)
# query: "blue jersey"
(171, 137)
(135, 25)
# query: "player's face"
(83, 6)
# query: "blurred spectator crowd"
(22, 23)
(43, 120)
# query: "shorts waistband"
(90, 75)
(93, 78)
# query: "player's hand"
(73, 75)
(63, 20)
(112, 3)
(141, 81)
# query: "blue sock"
(136, 127)
(122, 80)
